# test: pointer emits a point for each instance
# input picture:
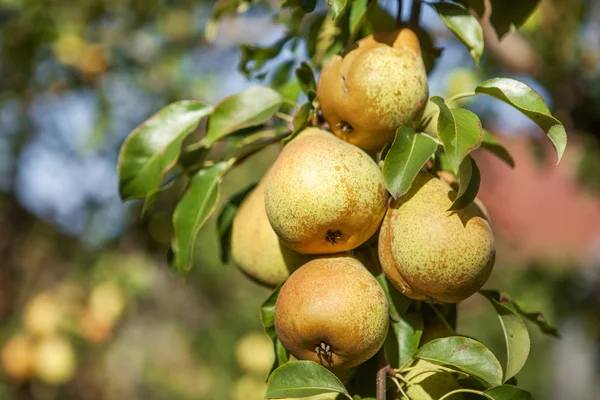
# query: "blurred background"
(88, 307)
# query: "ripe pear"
(374, 88)
(17, 356)
(427, 384)
(431, 253)
(255, 248)
(332, 311)
(324, 195)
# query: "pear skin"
(332, 311)
(324, 195)
(375, 87)
(255, 248)
(431, 253)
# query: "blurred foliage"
(126, 325)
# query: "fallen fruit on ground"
(324, 195)
(376, 86)
(428, 252)
(255, 248)
(332, 311)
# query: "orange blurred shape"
(539, 210)
(94, 330)
(17, 357)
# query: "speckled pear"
(428, 252)
(332, 311)
(375, 87)
(255, 248)
(324, 195)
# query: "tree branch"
(399, 15)
(382, 371)
(415, 14)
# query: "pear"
(324, 195)
(332, 311)
(431, 253)
(374, 88)
(427, 384)
(255, 248)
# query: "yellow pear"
(54, 360)
(428, 252)
(332, 311)
(324, 195)
(255, 248)
(17, 356)
(254, 354)
(375, 87)
(426, 384)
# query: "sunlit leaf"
(491, 144)
(302, 379)
(465, 354)
(358, 12)
(507, 392)
(459, 130)
(515, 334)
(408, 154)
(251, 107)
(531, 104)
(195, 206)
(336, 7)
(458, 19)
(408, 333)
(153, 147)
(468, 184)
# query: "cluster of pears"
(325, 196)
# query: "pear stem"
(415, 14)
(382, 372)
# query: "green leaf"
(195, 206)
(468, 184)
(378, 19)
(477, 5)
(531, 104)
(507, 392)
(267, 318)
(535, 317)
(465, 354)
(408, 154)
(306, 5)
(510, 14)
(225, 221)
(398, 303)
(491, 144)
(458, 19)
(153, 147)
(336, 7)
(246, 142)
(459, 130)
(358, 13)
(408, 333)
(253, 58)
(301, 120)
(251, 107)
(303, 379)
(306, 77)
(515, 335)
